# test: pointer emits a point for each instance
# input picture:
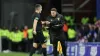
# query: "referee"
(39, 38)
(56, 22)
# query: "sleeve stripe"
(36, 18)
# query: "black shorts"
(39, 37)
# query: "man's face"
(53, 13)
(25, 27)
(40, 9)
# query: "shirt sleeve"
(36, 18)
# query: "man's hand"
(43, 22)
(34, 32)
(47, 22)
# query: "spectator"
(25, 41)
(25, 32)
(98, 37)
(97, 23)
(92, 35)
(82, 31)
(15, 45)
(5, 40)
(71, 34)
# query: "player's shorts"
(39, 37)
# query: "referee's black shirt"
(36, 16)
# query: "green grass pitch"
(17, 54)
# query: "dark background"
(23, 10)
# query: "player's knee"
(35, 45)
(44, 45)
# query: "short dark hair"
(37, 6)
(53, 9)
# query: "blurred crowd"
(85, 31)
(16, 39)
